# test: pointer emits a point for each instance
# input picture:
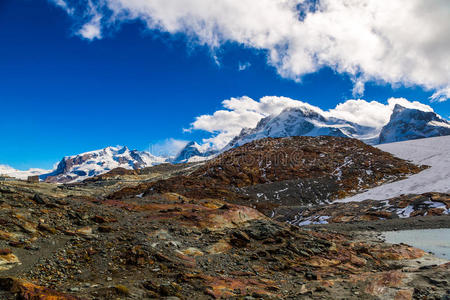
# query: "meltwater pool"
(430, 240)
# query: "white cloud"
(244, 66)
(167, 147)
(396, 42)
(63, 5)
(244, 112)
(91, 30)
(441, 95)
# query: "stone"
(191, 251)
(8, 260)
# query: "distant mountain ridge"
(93, 163)
(404, 124)
(304, 121)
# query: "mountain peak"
(192, 152)
(398, 108)
(410, 123)
(303, 121)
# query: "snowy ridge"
(433, 152)
(404, 124)
(79, 167)
(304, 121)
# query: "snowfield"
(434, 152)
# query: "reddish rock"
(29, 291)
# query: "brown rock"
(28, 291)
(8, 260)
(404, 294)
(219, 247)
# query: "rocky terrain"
(183, 231)
(55, 245)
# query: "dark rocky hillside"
(285, 171)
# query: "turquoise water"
(430, 240)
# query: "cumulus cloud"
(167, 147)
(244, 112)
(396, 42)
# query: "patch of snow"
(434, 152)
(405, 212)
(433, 204)
(439, 124)
(309, 221)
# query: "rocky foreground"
(140, 235)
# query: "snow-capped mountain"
(410, 124)
(11, 172)
(307, 120)
(193, 152)
(304, 121)
(79, 167)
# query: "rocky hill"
(285, 171)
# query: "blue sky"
(62, 94)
